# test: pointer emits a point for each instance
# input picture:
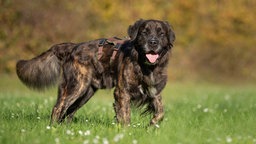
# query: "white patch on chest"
(150, 90)
(141, 89)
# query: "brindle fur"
(82, 73)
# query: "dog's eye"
(162, 34)
(144, 32)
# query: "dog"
(136, 69)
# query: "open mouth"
(152, 57)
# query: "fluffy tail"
(39, 72)
(44, 70)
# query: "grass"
(194, 114)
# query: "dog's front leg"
(158, 110)
(122, 106)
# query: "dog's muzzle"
(152, 46)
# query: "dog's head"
(152, 39)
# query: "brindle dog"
(138, 71)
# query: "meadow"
(195, 113)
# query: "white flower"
(118, 137)
(57, 140)
(228, 139)
(48, 127)
(134, 141)
(206, 110)
(13, 115)
(199, 106)
(95, 140)
(23, 130)
(157, 126)
(254, 140)
(86, 142)
(105, 141)
(86, 133)
(80, 132)
(68, 132)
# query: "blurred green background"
(215, 40)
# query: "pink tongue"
(152, 57)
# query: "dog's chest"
(148, 85)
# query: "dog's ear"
(134, 29)
(171, 34)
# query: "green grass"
(194, 114)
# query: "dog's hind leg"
(79, 103)
(76, 82)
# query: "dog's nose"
(153, 42)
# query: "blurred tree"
(215, 39)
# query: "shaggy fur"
(138, 72)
